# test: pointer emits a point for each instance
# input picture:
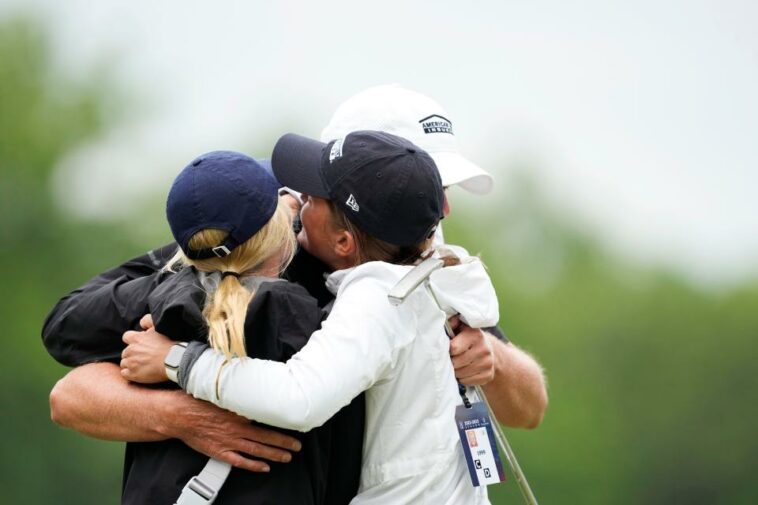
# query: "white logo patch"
(352, 203)
(336, 151)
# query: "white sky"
(642, 117)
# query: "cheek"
(306, 220)
(302, 239)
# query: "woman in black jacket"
(222, 287)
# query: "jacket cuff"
(191, 354)
(495, 330)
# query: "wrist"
(499, 358)
(166, 413)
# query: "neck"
(269, 268)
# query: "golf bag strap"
(203, 488)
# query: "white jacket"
(398, 355)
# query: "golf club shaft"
(526, 490)
(510, 456)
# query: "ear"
(346, 248)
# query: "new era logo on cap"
(436, 124)
(352, 203)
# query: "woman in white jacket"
(372, 202)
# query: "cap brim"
(296, 162)
(455, 169)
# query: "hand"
(142, 360)
(472, 355)
(223, 435)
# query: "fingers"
(455, 322)
(479, 379)
(130, 337)
(271, 437)
(474, 367)
(463, 341)
(129, 368)
(146, 322)
(484, 365)
(472, 357)
(262, 451)
(462, 361)
(212, 431)
(126, 373)
(125, 362)
(477, 373)
(239, 461)
(237, 456)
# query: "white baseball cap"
(418, 118)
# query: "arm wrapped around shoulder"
(466, 289)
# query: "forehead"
(320, 208)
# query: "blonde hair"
(226, 307)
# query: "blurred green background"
(651, 378)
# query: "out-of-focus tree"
(651, 379)
(43, 116)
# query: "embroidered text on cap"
(336, 151)
(436, 124)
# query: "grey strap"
(203, 488)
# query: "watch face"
(174, 356)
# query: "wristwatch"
(173, 360)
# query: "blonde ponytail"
(225, 314)
(226, 307)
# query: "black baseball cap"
(386, 185)
(225, 190)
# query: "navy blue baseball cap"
(386, 185)
(224, 190)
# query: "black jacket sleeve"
(87, 324)
(495, 330)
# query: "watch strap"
(175, 354)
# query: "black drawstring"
(462, 392)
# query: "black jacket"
(86, 326)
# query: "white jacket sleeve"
(357, 346)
